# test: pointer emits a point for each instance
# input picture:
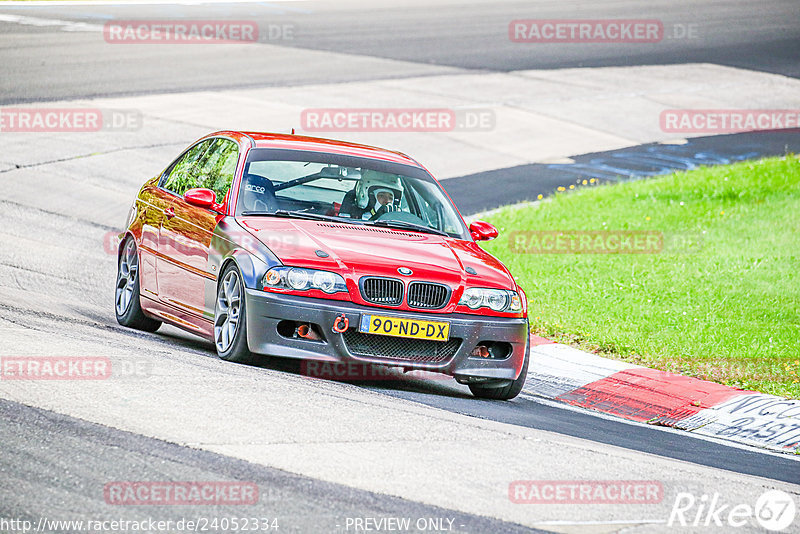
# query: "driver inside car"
(384, 202)
(375, 193)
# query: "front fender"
(231, 242)
(251, 269)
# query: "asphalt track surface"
(300, 504)
(52, 295)
(47, 62)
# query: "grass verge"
(718, 299)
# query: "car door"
(151, 203)
(186, 230)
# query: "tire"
(127, 303)
(506, 392)
(230, 318)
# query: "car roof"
(318, 144)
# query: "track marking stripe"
(536, 341)
(649, 395)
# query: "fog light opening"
(298, 330)
(305, 331)
(491, 350)
(481, 351)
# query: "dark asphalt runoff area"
(525, 183)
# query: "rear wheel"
(127, 304)
(230, 318)
(507, 392)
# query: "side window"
(219, 166)
(210, 164)
(184, 174)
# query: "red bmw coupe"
(308, 248)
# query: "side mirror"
(201, 197)
(482, 231)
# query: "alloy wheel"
(228, 307)
(126, 277)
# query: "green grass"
(723, 308)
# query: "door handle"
(169, 212)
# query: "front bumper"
(265, 310)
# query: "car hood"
(358, 250)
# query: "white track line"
(614, 522)
(66, 25)
(703, 437)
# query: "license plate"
(411, 328)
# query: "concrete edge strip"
(565, 374)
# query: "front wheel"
(230, 318)
(126, 297)
(506, 392)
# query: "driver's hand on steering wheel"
(378, 213)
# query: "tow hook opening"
(341, 324)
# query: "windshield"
(345, 189)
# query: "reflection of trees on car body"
(210, 164)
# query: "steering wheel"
(402, 216)
(379, 213)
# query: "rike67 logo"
(774, 510)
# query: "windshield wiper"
(342, 220)
(410, 226)
(300, 215)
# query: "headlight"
(325, 281)
(472, 299)
(499, 300)
(299, 279)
